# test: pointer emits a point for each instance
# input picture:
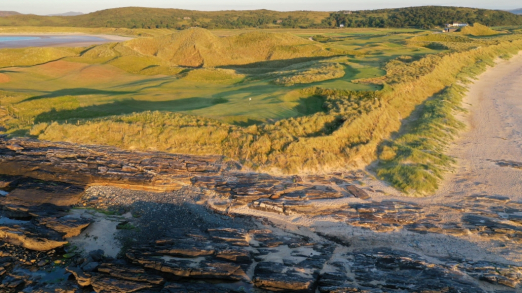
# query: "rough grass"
(441, 38)
(213, 75)
(314, 73)
(197, 47)
(478, 30)
(415, 161)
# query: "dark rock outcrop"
(227, 252)
(102, 165)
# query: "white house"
(341, 25)
(456, 24)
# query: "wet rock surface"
(195, 232)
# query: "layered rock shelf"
(200, 224)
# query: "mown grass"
(34, 56)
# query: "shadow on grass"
(125, 107)
(78, 92)
(271, 65)
(247, 122)
(310, 105)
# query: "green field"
(241, 94)
(278, 100)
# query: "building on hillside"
(279, 21)
(187, 18)
(347, 12)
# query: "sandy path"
(494, 133)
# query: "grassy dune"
(197, 47)
(478, 30)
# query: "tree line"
(421, 17)
(148, 18)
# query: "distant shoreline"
(73, 43)
(61, 34)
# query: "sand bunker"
(4, 78)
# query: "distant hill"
(8, 13)
(138, 17)
(70, 13)
(516, 11)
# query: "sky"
(59, 6)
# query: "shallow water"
(13, 39)
(7, 221)
(50, 41)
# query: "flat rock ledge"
(182, 228)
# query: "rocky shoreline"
(89, 218)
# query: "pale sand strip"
(494, 133)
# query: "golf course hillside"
(281, 101)
(198, 47)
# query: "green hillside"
(137, 17)
(422, 17)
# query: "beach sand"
(494, 132)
